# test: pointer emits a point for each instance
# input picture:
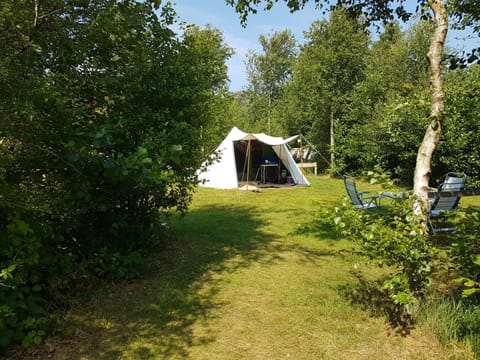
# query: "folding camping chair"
(359, 201)
(440, 206)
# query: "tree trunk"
(432, 134)
(332, 141)
(269, 111)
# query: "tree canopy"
(330, 64)
(267, 74)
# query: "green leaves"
(6, 273)
(329, 66)
(21, 315)
(387, 239)
(471, 287)
(33, 337)
(101, 111)
(476, 259)
(267, 73)
(464, 252)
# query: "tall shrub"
(101, 109)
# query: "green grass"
(450, 319)
(247, 275)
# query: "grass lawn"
(250, 275)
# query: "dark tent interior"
(265, 166)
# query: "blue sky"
(223, 17)
(219, 15)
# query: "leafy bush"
(22, 314)
(109, 265)
(102, 108)
(465, 252)
(391, 239)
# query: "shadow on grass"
(319, 227)
(371, 296)
(154, 316)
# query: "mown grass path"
(250, 275)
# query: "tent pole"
(245, 163)
(248, 160)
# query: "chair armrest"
(391, 195)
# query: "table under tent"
(252, 160)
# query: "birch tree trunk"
(434, 129)
(332, 141)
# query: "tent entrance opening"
(258, 162)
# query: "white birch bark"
(434, 129)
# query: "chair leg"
(436, 230)
(432, 228)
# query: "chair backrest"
(452, 182)
(352, 192)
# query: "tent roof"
(236, 134)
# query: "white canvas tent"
(252, 159)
